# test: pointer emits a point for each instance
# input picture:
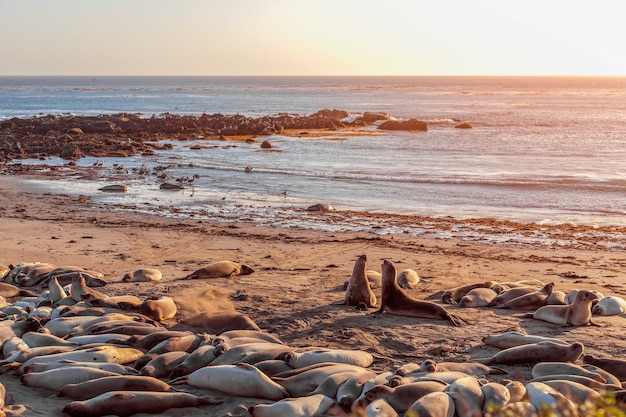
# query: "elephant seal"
(563, 368)
(143, 275)
(8, 290)
(536, 352)
(127, 403)
(530, 301)
(402, 396)
(469, 398)
(4, 271)
(469, 368)
(380, 408)
(359, 290)
(79, 288)
(350, 390)
(95, 387)
(159, 309)
(55, 379)
(309, 406)
(576, 314)
(162, 365)
(478, 297)
(320, 207)
(511, 339)
(504, 286)
(242, 380)
(609, 306)
(616, 367)
(408, 279)
(115, 188)
(556, 298)
(311, 357)
(511, 294)
(570, 297)
(496, 396)
(375, 279)
(453, 295)
(396, 301)
(220, 269)
(549, 400)
(434, 404)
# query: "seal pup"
(127, 403)
(609, 306)
(359, 290)
(453, 295)
(396, 301)
(408, 279)
(220, 269)
(536, 352)
(143, 275)
(576, 314)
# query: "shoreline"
(35, 178)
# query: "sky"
(312, 37)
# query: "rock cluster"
(72, 137)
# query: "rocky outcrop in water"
(72, 137)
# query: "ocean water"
(547, 150)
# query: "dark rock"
(266, 145)
(463, 126)
(408, 125)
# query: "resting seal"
(536, 352)
(220, 269)
(127, 403)
(143, 275)
(478, 297)
(396, 301)
(530, 301)
(616, 367)
(95, 387)
(453, 295)
(359, 290)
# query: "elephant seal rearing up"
(359, 290)
(396, 301)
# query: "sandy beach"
(298, 279)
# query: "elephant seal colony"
(104, 355)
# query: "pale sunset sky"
(313, 37)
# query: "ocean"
(545, 150)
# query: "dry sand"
(299, 276)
